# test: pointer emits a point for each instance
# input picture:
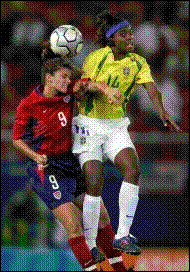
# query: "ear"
(48, 77)
(111, 42)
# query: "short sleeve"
(21, 119)
(144, 74)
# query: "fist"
(41, 161)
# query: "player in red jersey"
(42, 131)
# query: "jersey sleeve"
(90, 68)
(144, 74)
(21, 119)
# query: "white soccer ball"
(66, 40)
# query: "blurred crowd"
(161, 35)
(27, 222)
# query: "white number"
(53, 180)
(62, 118)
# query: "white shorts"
(99, 139)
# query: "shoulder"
(138, 57)
(26, 102)
(97, 54)
(140, 61)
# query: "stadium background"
(31, 238)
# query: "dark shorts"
(58, 183)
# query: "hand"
(169, 122)
(79, 85)
(41, 161)
(113, 94)
(80, 90)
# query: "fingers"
(79, 85)
(42, 166)
(177, 128)
(172, 125)
(117, 93)
(45, 157)
(112, 100)
(114, 96)
(42, 161)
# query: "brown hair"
(105, 20)
(53, 62)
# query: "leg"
(71, 218)
(104, 219)
(127, 161)
(93, 172)
(105, 239)
(90, 237)
(90, 204)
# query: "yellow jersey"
(123, 74)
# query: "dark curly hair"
(105, 20)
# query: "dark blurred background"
(161, 36)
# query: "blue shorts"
(58, 183)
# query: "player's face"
(61, 79)
(123, 40)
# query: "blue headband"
(115, 28)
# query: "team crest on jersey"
(67, 98)
(126, 71)
(57, 194)
(82, 140)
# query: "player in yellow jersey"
(100, 129)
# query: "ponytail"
(53, 62)
(105, 17)
(47, 53)
(105, 20)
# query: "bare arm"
(26, 150)
(81, 88)
(156, 98)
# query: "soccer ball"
(66, 40)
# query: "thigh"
(117, 141)
(91, 164)
(70, 217)
(128, 162)
(95, 155)
(94, 177)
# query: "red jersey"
(45, 122)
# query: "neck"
(118, 54)
(49, 91)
